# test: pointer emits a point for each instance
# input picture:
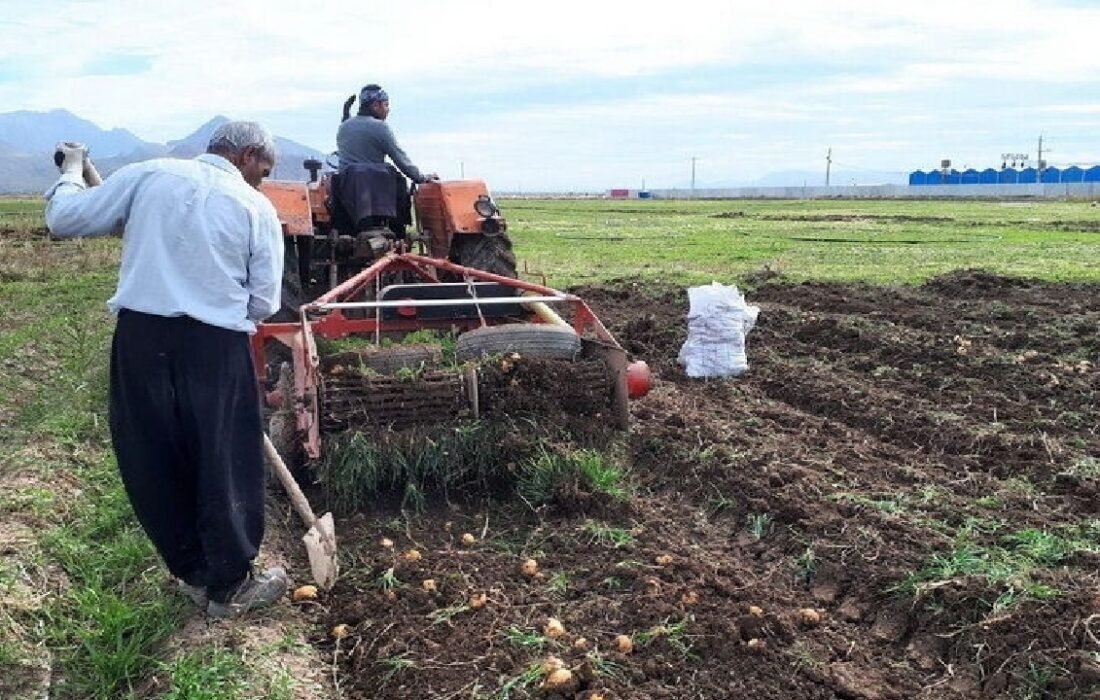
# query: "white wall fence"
(1065, 190)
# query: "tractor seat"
(366, 196)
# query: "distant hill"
(27, 141)
(291, 153)
(195, 143)
(37, 132)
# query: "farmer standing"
(202, 256)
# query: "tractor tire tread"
(292, 296)
(488, 253)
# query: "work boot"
(255, 591)
(197, 594)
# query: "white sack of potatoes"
(718, 321)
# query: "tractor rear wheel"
(292, 295)
(485, 252)
(528, 339)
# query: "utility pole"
(828, 165)
(693, 159)
(1040, 164)
(461, 170)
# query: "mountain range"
(27, 141)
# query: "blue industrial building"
(1005, 176)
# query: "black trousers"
(187, 432)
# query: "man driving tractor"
(369, 192)
(366, 138)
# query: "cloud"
(118, 64)
(579, 89)
(1083, 108)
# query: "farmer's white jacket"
(198, 241)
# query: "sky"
(587, 95)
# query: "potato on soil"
(413, 555)
(624, 644)
(690, 598)
(554, 628)
(529, 567)
(581, 644)
(428, 585)
(664, 559)
(340, 631)
(303, 593)
(560, 681)
(757, 644)
(551, 664)
(387, 543)
(808, 617)
(468, 539)
(756, 610)
(478, 601)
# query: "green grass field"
(78, 578)
(873, 241)
(574, 241)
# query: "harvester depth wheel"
(527, 339)
(485, 252)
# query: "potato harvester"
(362, 281)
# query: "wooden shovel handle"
(292, 489)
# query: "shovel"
(320, 539)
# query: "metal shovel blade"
(320, 542)
(320, 539)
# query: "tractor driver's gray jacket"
(364, 139)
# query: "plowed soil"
(789, 524)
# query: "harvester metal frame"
(325, 318)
